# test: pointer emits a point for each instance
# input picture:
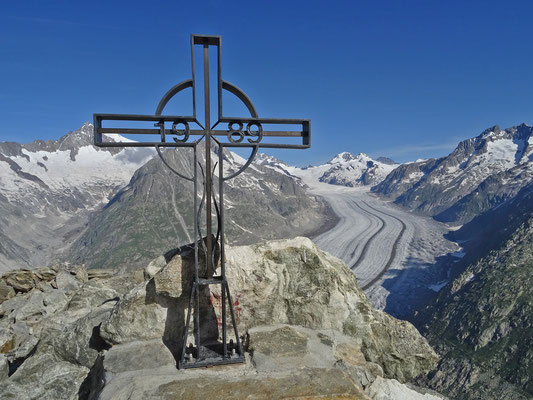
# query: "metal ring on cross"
(181, 132)
(238, 134)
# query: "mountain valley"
(482, 324)
(154, 212)
(445, 243)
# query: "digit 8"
(232, 132)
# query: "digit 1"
(161, 125)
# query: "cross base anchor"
(213, 355)
(206, 354)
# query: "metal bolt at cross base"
(241, 132)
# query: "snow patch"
(502, 150)
(459, 254)
(436, 287)
(93, 171)
(415, 176)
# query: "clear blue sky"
(404, 79)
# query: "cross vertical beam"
(208, 180)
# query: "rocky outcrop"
(49, 338)
(307, 328)
(293, 282)
(282, 361)
(280, 282)
(59, 276)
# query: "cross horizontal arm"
(238, 129)
(198, 132)
(142, 117)
(144, 144)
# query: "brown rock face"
(308, 383)
(173, 280)
(6, 292)
(23, 281)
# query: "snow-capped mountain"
(56, 193)
(274, 163)
(70, 173)
(344, 169)
(70, 199)
(479, 174)
(154, 212)
(349, 170)
(47, 189)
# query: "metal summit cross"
(175, 131)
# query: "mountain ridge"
(457, 187)
(49, 189)
(350, 170)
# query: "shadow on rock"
(171, 288)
